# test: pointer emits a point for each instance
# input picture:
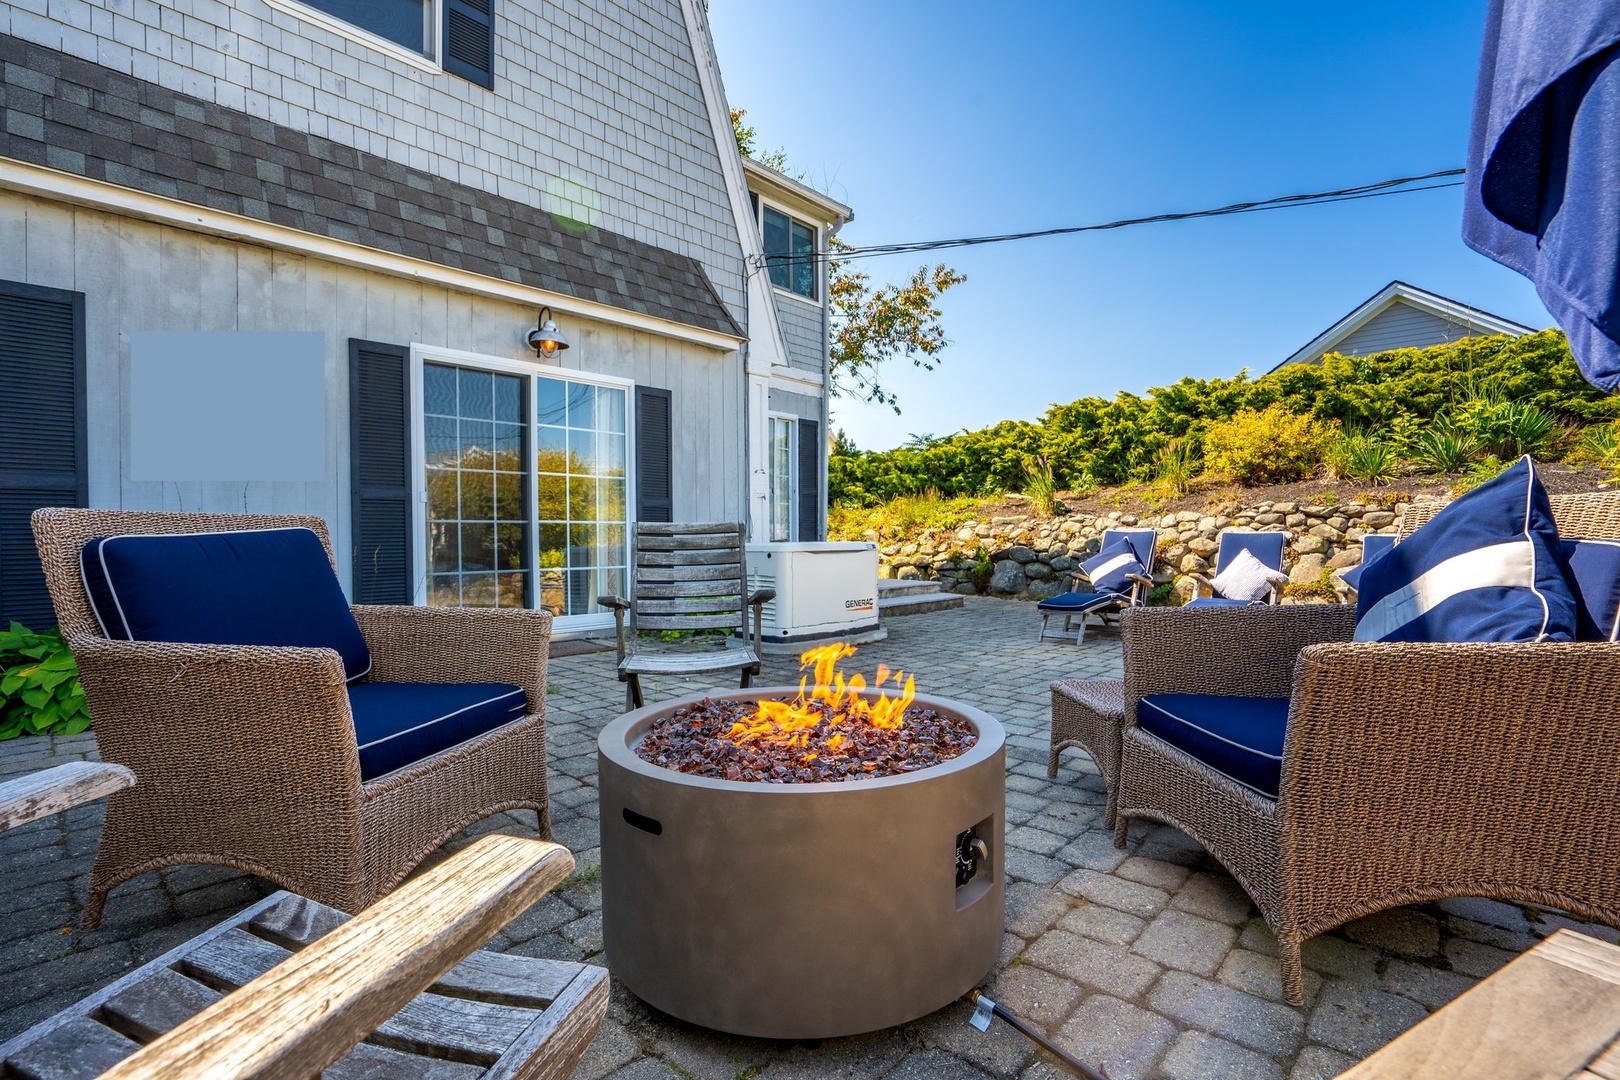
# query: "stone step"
(914, 602)
(895, 587)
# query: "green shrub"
(1359, 455)
(1266, 446)
(39, 685)
(1479, 472)
(1175, 466)
(1039, 485)
(1442, 449)
(1600, 444)
(929, 510)
(1110, 441)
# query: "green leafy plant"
(1163, 596)
(1040, 486)
(979, 570)
(1176, 465)
(1360, 455)
(40, 692)
(1267, 446)
(1320, 590)
(1600, 444)
(1443, 449)
(1479, 472)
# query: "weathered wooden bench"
(289, 987)
(690, 577)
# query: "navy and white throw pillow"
(1486, 568)
(1111, 568)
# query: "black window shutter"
(380, 472)
(810, 499)
(43, 459)
(469, 40)
(654, 487)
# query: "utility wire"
(1397, 186)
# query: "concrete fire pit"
(801, 911)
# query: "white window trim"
(793, 475)
(815, 242)
(420, 354)
(359, 34)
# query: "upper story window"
(404, 22)
(457, 35)
(790, 248)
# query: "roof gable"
(1392, 298)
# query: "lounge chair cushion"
(1219, 601)
(250, 587)
(1247, 579)
(1486, 568)
(1594, 575)
(1372, 546)
(1239, 737)
(1079, 602)
(398, 724)
(1111, 568)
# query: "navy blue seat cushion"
(253, 587)
(1594, 575)
(1486, 568)
(1111, 568)
(398, 724)
(1239, 737)
(1080, 601)
(1221, 601)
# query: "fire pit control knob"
(971, 853)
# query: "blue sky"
(948, 119)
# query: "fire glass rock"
(694, 740)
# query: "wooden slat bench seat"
(287, 986)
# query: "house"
(1402, 316)
(288, 255)
(788, 358)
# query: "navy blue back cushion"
(255, 587)
(1486, 568)
(1594, 575)
(1372, 546)
(1265, 546)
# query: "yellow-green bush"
(1267, 446)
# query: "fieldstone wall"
(1029, 557)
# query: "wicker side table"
(1090, 714)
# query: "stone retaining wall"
(1029, 557)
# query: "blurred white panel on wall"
(227, 406)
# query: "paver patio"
(1150, 962)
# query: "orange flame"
(834, 700)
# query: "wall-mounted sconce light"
(545, 339)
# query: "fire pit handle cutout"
(643, 822)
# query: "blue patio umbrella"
(1543, 185)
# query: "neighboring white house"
(788, 358)
(1402, 316)
(284, 255)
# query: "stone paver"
(1151, 962)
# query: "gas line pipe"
(984, 1008)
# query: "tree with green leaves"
(871, 324)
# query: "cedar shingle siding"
(76, 116)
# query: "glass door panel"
(581, 451)
(473, 427)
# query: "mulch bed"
(693, 740)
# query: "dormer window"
(790, 250)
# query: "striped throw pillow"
(1486, 568)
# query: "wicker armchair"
(1410, 772)
(246, 756)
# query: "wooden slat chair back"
(685, 578)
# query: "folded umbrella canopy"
(1543, 194)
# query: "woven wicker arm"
(236, 750)
(1419, 771)
(427, 644)
(1244, 651)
